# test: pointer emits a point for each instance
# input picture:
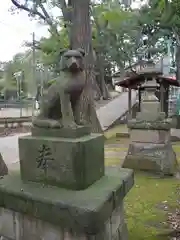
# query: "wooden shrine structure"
(135, 80)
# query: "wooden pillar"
(162, 90)
(166, 101)
(130, 102)
(139, 99)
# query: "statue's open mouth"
(73, 67)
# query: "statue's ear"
(81, 51)
(62, 51)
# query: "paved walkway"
(113, 110)
(9, 149)
(15, 112)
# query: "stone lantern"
(150, 146)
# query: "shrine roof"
(171, 80)
(137, 79)
(129, 68)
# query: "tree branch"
(64, 9)
(45, 16)
(48, 19)
(33, 11)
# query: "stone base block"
(74, 163)
(61, 132)
(151, 116)
(165, 124)
(149, 136)
(157, 158)
(177, 121)
(30, 211)
(150, 106)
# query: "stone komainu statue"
(60, 103)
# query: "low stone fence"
(11, 122)
(15, 104)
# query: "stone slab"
(125, 175)
(150, 116)
(61, 132)
(149, 136)
(152, 125)
(79, 211)
(150, 106)
(17, 226)
(157, 158)
(175, 135)
(66, 162)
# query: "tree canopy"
(119, 35)
(117, 32)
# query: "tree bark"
(100, 61)
(100, 68)
(81, 37)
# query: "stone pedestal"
(62, 191)
(150, 139)
(150, 144)
(74, 163)
(31, 211)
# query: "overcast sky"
(15, 29)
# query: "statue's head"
(72, 60)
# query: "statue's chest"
(74, 84)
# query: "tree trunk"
(81, 37)
(100, 68)
(100, 63)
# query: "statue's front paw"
(70, 125)
(83, 123)
(55, 124)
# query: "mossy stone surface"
(124, 174)
(157, 158)
(74, 163)
(82, 211)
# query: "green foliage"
(115, 35)
(116, 32)
(161, 16)
(21, 62)
(176, 6)
(52, 46)
(50, 82)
